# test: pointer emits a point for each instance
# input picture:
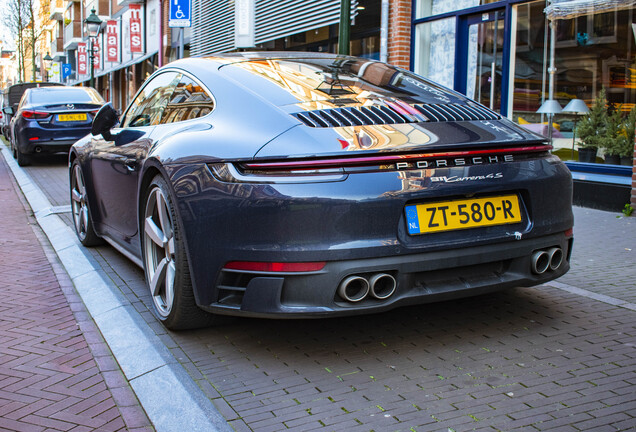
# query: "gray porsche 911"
(313, 185)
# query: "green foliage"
(605, 127)
(627, 135)
(592, 128)
(628, 210)
(613, 138)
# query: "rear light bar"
(28, 114)
(275, 267)
(386, 159)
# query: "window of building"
(435, 51)
(426, 8)
(592, 52)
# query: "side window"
(150, 103)
(23, 99)
(189, 101)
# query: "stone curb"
(170, 397)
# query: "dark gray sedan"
(51, 119)
(306, 185)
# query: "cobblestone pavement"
(527, 359)
(56, 373)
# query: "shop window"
(426, 8)
(592, 52)
(435, 51)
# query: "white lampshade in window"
(550, 106)
(576, 106)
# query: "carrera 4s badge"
(454, 162)
(456, 179)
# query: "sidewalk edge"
(171, 398)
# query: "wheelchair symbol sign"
(180, 11)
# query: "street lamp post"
(92, 25)
(47, 59)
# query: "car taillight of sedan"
(37, 115)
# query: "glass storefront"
(426, 8)
(435, 51)
(499, 55)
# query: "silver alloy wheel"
(159, 251)
(78, 203)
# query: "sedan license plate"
(72, 117)
(462, 214)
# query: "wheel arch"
(153, 168)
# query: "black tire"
(166, 263)
(22, 158)
(80, 211)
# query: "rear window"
(46, 96)
(347, 80)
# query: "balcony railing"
(72, 31)
(57, 10)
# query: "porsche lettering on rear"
(455, 162)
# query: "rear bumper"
(44, 146)
(420, 278)
(41, 140)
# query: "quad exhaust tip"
(544, 260)
(356, 288)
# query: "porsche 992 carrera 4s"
(308, 185)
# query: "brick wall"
(399, 43)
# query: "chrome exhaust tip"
(382, 286)
(540, 262)
(354, 288)
(556, 258)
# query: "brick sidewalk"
(56, 372)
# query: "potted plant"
(591, 129)
(614, 137)
(626, 139)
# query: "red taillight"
(387, 159)
(34, 138)
(569, 233)
(277, 267)
(27, 114)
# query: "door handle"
(130, 164)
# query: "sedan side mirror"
(8, 110)
(105, 119)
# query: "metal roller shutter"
(213, 21)
(277, 19)
(212, 27)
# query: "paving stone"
(56, 385)
(541, 348)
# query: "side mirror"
(105, 119)
(8, 110)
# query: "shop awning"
(568, 9)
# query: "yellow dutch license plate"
(462, 214)
(72, 117)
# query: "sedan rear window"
(44, 96)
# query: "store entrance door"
(481, 51)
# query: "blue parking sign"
(180, 13)
(66, 70)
